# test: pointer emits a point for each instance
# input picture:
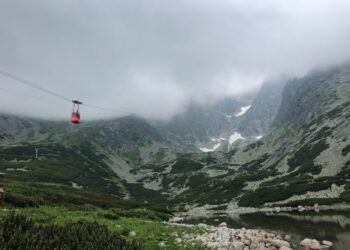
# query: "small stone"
(176, 219)
(287, 237)
(178, 240)
(223, 224)
(247, 242)
(132, 234)
(327, 243)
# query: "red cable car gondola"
(75, 113)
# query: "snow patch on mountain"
(243, 110)
(206, 150)
(217, 140)
(236, 136)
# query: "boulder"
(236, 245)
(247, 242)
(310, 244)
(279, 243)
(285, 248)
(327, 243)
(315, 247)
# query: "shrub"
(19, 232)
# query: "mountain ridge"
(304, 152)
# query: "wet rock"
(327, 243)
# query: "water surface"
(325, 225)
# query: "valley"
(289, 148)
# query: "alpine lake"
(331, 225)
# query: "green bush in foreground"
(19, 232)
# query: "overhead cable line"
(23, 81)
(36, 86)
(24, 95)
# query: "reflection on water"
(326, 225)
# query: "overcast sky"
(151, 57)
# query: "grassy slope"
(148, 231)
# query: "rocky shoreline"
(225, 238)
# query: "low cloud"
(152, 57)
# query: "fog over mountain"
(153, 57)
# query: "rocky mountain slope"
(304, 154)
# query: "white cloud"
(152, 57)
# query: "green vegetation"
(186, 165)
(31, 194)
(277, 193)
(59, 165)
(253, 146)
(346, 150)
(304, 158)
(149, 231)
(19, 232)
